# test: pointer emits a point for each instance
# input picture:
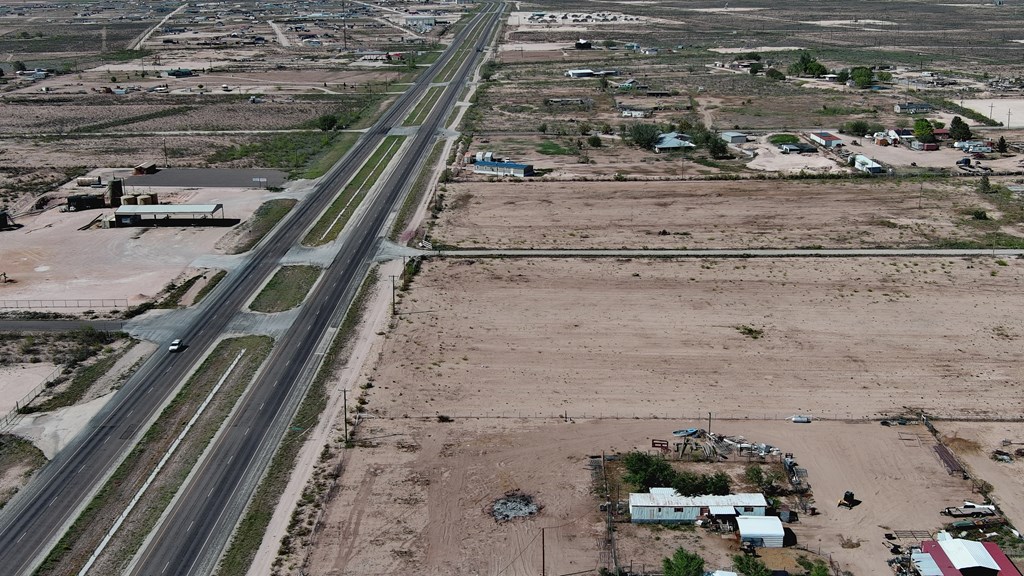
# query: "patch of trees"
(773, 74)
(807, 65)
(646, 471)
(860, 127)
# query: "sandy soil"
(51, 431)
(842, 338)
(983, 438)
(50, 258)
(770, 159)
(16, 381)
(506, 347)
(998, 107)
(695, 214)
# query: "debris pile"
(513, 504)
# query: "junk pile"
(513, 504)
(711, 446)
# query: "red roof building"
(958, 557)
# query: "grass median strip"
(249, 535)
(342, 143)
(262, 222)
(287, 289)
(334, 219)
(78, 543)
(422, 110)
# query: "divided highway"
(196, 529)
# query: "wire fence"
(701, 418)
(73, 303)
(14, 414)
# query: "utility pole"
(990, 108)
(394, 305)
(1007, 117)
(542, 563)
(709, 422)
(344, 414)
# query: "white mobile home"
(665, 506)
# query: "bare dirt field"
(504, 347)
(997, 109)
(655, 338)
(693, 214)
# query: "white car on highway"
(175, 346)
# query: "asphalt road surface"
(35, 519)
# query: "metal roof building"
(155, 214)
(762, 531)
(663, 505)
(958, 557)
(826, 139)
(734, 137)
(503, 169)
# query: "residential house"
(503, 169)
(670, 141)
(666, 506)
(912, 108)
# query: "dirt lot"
(973, 443)
(419, 495)
(744, 214)
(416, 493)
(50, 258)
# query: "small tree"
(958, 129)
(749, 566)
(1001, 145)
(773, 74)
(984, 186)
(756, 68)
(717, 147)
(923, 131)
(645, 471)
(594, 141)
(19, 66)
(683, 563)
(643, 135)
(862, 77)
(843, 76)
(884, 76)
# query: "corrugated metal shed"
(169, 209)
(763, 531)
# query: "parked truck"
(964, 512)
